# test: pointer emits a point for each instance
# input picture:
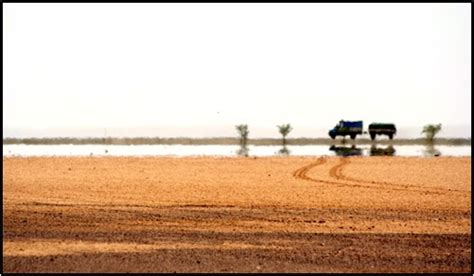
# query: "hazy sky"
(212, 66)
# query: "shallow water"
(232, 150)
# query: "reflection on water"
(284, 151)
(380, 151)
(430, 150)
(243, 151)
(231, 150)
(346, 151)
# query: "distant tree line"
(243, 130)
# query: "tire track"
(301, 173)
(336, 172)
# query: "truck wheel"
(372, 136)
(353, 136)
(390, 136)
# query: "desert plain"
(237, 214)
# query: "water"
(232, 150)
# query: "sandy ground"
(272, 214)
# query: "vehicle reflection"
(346, 151)
(379, 151)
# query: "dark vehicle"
(382, 129)
(346, 151)
(344, 128)
(388, 151)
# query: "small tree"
(243, 132)
(284, 131)
(430, 131)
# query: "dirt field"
(275, 214)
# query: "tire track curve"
(336, 172)
(301, 173)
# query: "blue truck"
(353, 128)
(344, 128)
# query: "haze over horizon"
(197, 70)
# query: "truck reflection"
(346, 151)
(379, 151)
